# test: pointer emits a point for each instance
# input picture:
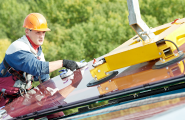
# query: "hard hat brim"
(47, 29)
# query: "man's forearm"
(54, 65)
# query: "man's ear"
(27, 31)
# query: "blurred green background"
(82, 29)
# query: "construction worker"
(25, 60)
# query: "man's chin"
(40, 43)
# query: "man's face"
(36, 36)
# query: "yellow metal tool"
(132, 52)
(149, 44)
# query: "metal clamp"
(9, 70)
(99, 62)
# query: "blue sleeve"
(27, 62)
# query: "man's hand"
(69, 64)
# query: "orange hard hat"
(36, 21)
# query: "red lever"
(174, 21)
(94, 61)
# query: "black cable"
(169, 41)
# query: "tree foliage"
(83, 29)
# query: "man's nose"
(42, 34)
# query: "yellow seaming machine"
(161, 43)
